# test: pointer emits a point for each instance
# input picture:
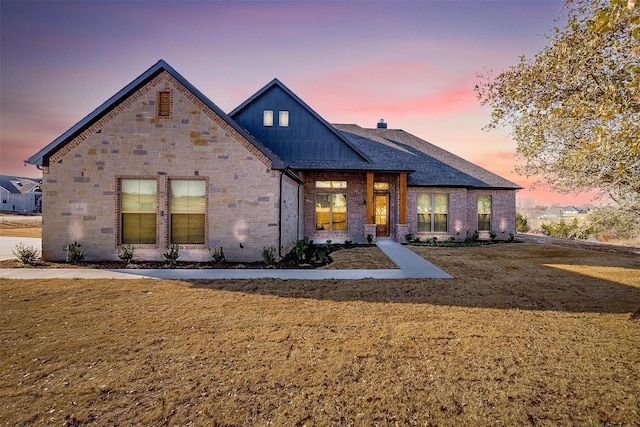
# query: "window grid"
(138, 210)
(187, 210)
(433, 212)
(331, 211)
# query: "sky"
(412, 63)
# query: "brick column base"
(401, 232)
(370, 230)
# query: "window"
(484, 213)
(331, 184)
(433, 210)
(164, 104)
(283, 119)
(381, 186)
(267, 118)
(331, 212)
(138, 211)
(187, 204)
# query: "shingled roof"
(395, 149)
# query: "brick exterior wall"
(81, 190)
(463, 214)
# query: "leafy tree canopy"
(574, 107)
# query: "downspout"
(280, 201)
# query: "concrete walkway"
(412, 266)
(8, 244)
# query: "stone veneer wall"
(80, 187)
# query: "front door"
(382, 214)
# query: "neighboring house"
(20, 194)
(160, 164)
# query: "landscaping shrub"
(171, 256)
(269, 256)
(27, 255)
(217, 255)
(126, 253)
(75, 255)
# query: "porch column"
(403, 198)
(370, 213)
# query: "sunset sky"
(413, 63)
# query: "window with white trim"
(267, 118)
(283, 119)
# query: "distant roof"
(19, 185)
(41, 158)
(395, 149)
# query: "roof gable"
(41, 158)
(305, 137)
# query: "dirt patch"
(524, 334)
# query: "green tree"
(574, 108)
(522, 225)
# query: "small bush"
(321, 255)
(269, 256)
(492, 235)
(27, 255)
(217, 255)
(348, 244)
(75, 255)
(126, 254)
(472, 236)
(171, 255)
(300, 251)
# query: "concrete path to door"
(412, 266)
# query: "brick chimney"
(382, 124)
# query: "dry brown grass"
(18, 228)
(525, 334)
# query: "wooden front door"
(382, 214)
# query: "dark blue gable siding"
(306, 138)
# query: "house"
(159, 164)
(20, 194)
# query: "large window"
(433, 210)
(484, 213)
(331, 212)
(187, 205)
(138, 211)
